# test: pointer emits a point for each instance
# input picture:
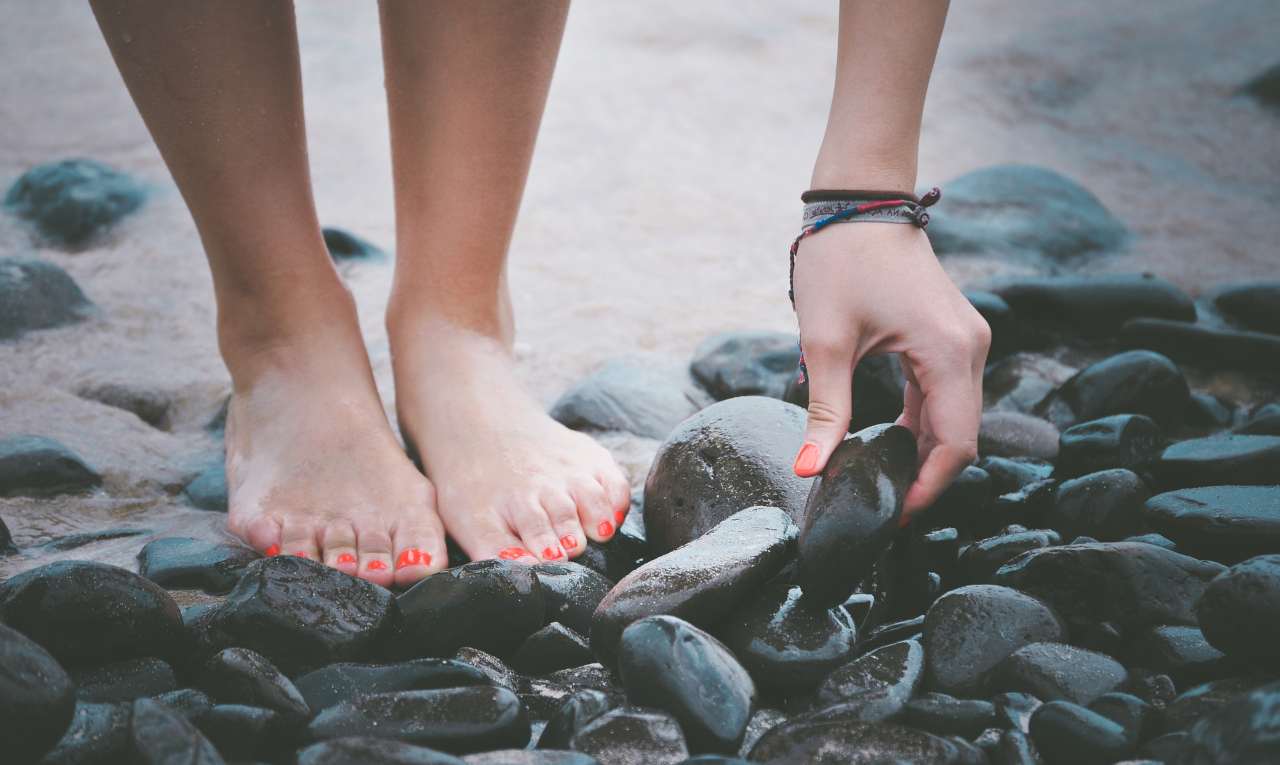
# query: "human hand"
(868, 288)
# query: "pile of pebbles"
(1102, 586)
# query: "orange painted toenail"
(605, 528)
(511, 553)
(300, 554)
(619, 517)
(273, 550)
(553, 553)
(412, 557)
(346, 558)
(569, 541)
(376, 565)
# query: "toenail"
(346, 558)
(605, 528)
(569, 541)
(412, 557)
(376, 565)
(300, 554)
(512, 553)
(619, 516)
(553, 553)
(273, 550)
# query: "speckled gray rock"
(125, 680)
(571, 592)
(1133, 382)
(746, 363)
(876, 685)
(379, 751)
(183, 562)
(1106, 505)
(1069, 734)
(1181, 652)
(36, 697)
(850, 742)
(734, 454)
(241, 676)
(1014, 434)
(1130, 441)
(37, 295)
(34, 466)
(1203, 345)
(333, 683)
(1239, 612)
(208, 490)
(72, 201)
(1056, 671)
(637, 396)
(471, 719)
(161, 736)
(529, 757)
(1253, 305)
(553, 647)
(632, 736)
(1245, 731)
(1220, 460)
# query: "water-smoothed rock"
(945, 715)
(37, 698)
(356, 750)
(1239, 612)
(208, 490)
(1209, 412)
(37, 295)
(734, 454)
(1008, 474)
(1128, 711)
(188, 702)
(963, 502)
(98, 735)
(1131, 441)
(1014, 710)
(491, 605)
(1245, 731)
(150, 405)
(1133, 382)
(1220, 460)
(702, 581)
(344, 245)
(632, 736)
(788, 644)
(1262, 421)
(668, 663)
(243, 732)
(1096, 304)
(125, 680)
(469, 719)
(1023, 210)
(91, 613)
(1223, 523)
(981, 559)
(331, 684)
(1129, 583)
(762, 721)
(877, 685)
(578, 709)
(1204, 346)
(637, 396)
(1014, 434)
(1020, 381)
(1191, 705)
(850, 742)
(970, 630)
(853, 510)
(72, 201)
(746, 363)
(300, 614)
(1106, 505)
(1056, 671)
(1252, 305)
(161, 736)
(553, 647)
(186, 563)
(241, 676)
(1180, 651)
(35, 466)
(1069, 734)
(571, 592)
(529, 757)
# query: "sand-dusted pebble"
(35, 466)
(571, 592)
(529, 757)
(853, 510)
(98, 733)
(632, 736)
(1180, 651)
(150, 405)
(186, 563)
(702, 581)
(734, 454)
(1155, 688)
(91, 613)
(785, 642)
(1133, 382)
(1203, 345)
(1013, 710)
(1252, 305)
(241, 676)
(877, 685)
(715, 759)
(850, 742)
(1129, 583)
(580, 708)
(634, 395)
(594, 675)
(1246, 730)
(344, 245)
(373, 751)
(946, 715)
(1223, 523)
(331, 684)
(746, 363)
(189, 702)
(1014, 747)
(37, 698)
(71, 201)
(1069, 734)
(300, 614)
(542, 697)
(667, 663)
(762, 721)
(971, 629)
(893, 632)
(243, 732)
(1057, 672)
(553, 647)
(1128, 711)
(1014, 434)
(980, 560)
(1106, 505)
(35, 295)
(1132, 441)
(1023, 210)
(208, 490)
(125, 680)
(491, 605)
(1263, 421)
(1220, 460)
(470, 719)
(161, 736)
(1239, 612)
(498, 672)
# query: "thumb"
(830, 406)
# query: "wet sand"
(662, 199)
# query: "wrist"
(858, 171)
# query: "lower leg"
(310, 454)
(466, 86)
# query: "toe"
(594, 510)
(618, 491)
(419, 551)
(562, 512)
(298, 537)
(338, 544)
(263, 533)
(373, 555)
(530, 521)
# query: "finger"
(912, 400)
(951, 410)
(830, 370)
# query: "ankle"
(418, 316)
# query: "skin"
(314, 468)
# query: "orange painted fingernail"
(273, 550)
(619, 517)
(346, 558)
(512, 553)
(605, 528)
(376, 565)
(569, 541)
(807, 460)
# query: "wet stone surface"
(1239, 613)
(632, 736)
(184, 563)
(34, 466)
(36, 295)
(37, 698)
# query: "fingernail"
(346, 558)
(273, 550)
(553, 553)
(619, 517)
(513, 553)
(807, 460)
(605, 528)
(376, 565)
(411, 557)
(569, 542)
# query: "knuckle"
(825, 413)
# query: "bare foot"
(313, 467)
(511, 483)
